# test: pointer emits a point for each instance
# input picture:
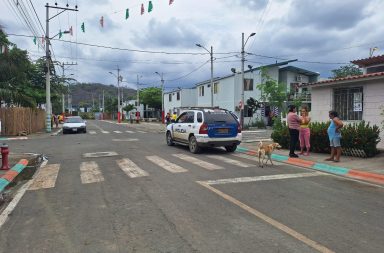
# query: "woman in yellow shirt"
(305, 134)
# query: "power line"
(33, 7)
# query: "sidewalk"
(367, 169)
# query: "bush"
(358, 136)
(87, 115)
(259, 123)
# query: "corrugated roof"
(299, 71)
(330, 81)
(369, 61)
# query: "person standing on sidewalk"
(305, 134)
(334, 135)
(294, 126)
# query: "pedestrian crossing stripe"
(198, 162)
(105, 132)
(142, 132)
(130, 168)
(230, 161)
(130, 132)
(92, 132)
(171, 167)
(46, 177)
(90, 173)
(118, 132)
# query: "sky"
(322, 35)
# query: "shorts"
(335, 142)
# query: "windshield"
(74, 120)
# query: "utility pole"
(138, 97)
(118, 96)
(62, 65)
(48, 59)
(162, 96)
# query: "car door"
(187, 126)
(178, 126)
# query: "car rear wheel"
(169, 139)
(193, 147)
(231, 148)
(85, 130)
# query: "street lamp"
(119, 79)
(242, 77)
(162, 95)
(211, 54)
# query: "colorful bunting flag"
(171, 2)
(42, 39)
(71, 31)
(34, 40)
(126, 13)
(150, 6)
(83, 27)
(60, 34)
(102, 22)
(142, 9)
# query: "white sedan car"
(74, 124)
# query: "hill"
(89, 94)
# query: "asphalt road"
(148, 197)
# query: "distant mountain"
(89, 94)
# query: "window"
(190, 117)
(348, 102)
(182, 118)
(199, 117)
(248, 84)
(215, 88)
(178, 95)
(201, 91)
(170, 97)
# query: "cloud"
(249, 4)
(170, 34)
(326, 14)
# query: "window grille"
(348, 102)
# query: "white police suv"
(205, 127)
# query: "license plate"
(222, 130)
(74, 129)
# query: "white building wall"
(224, 97)
(321, 103)
(169, 106)
(373, 105)
(188, 97)
(206, 99)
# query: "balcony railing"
(304, 96)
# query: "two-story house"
(180, 98)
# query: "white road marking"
(105, 132)
(317, 246)
(263, 178)
(100, 154)
(92, 132)
(129, 139)
(90, 173)
(130, 168)
(46, 177)
(142, 132)
(255, 159)
(118, 132)
(130, 132)
(171, 167)
(198, 162)
(20, 193)
(230, 161)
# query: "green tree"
(151, 97)
(271, 91)
(128, 108)
(347, 70)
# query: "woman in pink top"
(294, 126)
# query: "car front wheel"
(193, 147)
(169, 139)
(231, 148)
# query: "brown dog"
(265, 150)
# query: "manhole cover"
(100, 154)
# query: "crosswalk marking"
(230, 161)
(46, 177)
(128, 139)
(254, 158)
(130, 132)
(90, 173)
(171, 167)
(105, 132)
(92, 132)
(142, 132)
(130, 168)
(198, 162)
(118, 132)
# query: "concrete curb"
(13, 138)
(11, 174)
(341, 171)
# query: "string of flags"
(101, 21)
